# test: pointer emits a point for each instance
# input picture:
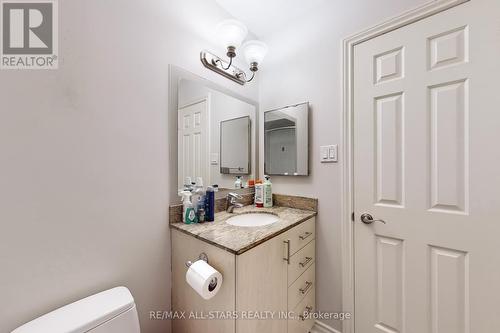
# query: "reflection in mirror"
(286, 148)
(215, 134)
(235, 146)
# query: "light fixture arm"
(231, 53)
(245, 75)
(222, 64)
(254, 67)
(212, 62)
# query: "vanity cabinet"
(263, 285)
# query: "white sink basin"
(252, 220)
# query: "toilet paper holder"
(203, 256)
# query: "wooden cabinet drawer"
(301, 235)
(301, 287)
(301, 261)
(301, 324)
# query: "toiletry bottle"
(259, 194)
(268, 192)
(201, 215)
(251, 182)
(199, 182)
(238, 183)
(200, 206)
(188, 212)
(184, 194)
(187, 184)
(199, 195)
(210, 205)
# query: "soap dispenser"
(238, 183)
(268, 192)
(259, 194)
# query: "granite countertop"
(238, 240)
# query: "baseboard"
(320, 327)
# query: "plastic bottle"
(268, 192)
(238, 183)
(188, 211)
(210, 205)
(201, 215)
(199, 196)
(184, 197)
(200, 206)
(259, 194)
(188, 184)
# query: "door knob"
(368, 219)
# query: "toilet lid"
(83, 315)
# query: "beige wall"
(84, 157)
(304, 64)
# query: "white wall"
(304, 64)
(84, 157)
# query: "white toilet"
(111, 311)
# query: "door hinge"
(352, 217)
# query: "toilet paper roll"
(204, 279)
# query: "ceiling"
(262, 17)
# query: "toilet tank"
(110, 311)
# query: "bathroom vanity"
(268, 273)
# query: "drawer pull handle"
(287, 258)
(305, 235)
(305, 262)
(306, 288)
(307, 311)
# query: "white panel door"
(426, 122)
(193, 160)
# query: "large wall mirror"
(215, 133)
(286, 141)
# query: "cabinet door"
(261, 287)
(185, 299)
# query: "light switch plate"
(214, 159)
(329, 154)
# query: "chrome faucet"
(231, 202)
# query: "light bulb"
(231, 33)
(254, 51)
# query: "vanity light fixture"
(255, 51)
(231, 34)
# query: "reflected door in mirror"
(193, 143)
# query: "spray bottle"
(188, 211)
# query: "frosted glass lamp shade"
(254, 51)
(231, 33)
